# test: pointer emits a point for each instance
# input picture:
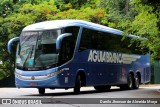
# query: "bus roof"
(56, 24)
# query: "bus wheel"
(77, 85)
(102, 88)
(41, 90)
(129, 84)
(136, 82)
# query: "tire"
(102, 88)
(41, 91)
(130, 83)
(77, 85)
(136, 82)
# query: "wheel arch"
(132, 73)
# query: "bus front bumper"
(46, 83)
(41, 79)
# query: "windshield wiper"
(29, 54)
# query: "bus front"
(39, 61)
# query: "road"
(152, 91)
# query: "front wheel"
(77, 85)
(41, 91)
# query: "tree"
(147, 24)
(6, 7)
(12, 24)
(76, 4)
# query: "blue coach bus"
(75, 53)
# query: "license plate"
(33, 83)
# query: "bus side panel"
(104, 74)
(100, 73)
(142, 66)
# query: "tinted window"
(92, 39)
(68, 44)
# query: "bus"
(75, 53)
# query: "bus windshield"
(37, 49)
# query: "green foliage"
(73, 3)
(6, 8)
(94, 15)
(147, 24)
(7, 59)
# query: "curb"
(149, 85)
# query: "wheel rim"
(130, 82)
(137, 82)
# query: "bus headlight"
(17, 75)
(51, 74)
(54, 73)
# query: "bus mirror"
(10, 42)
(60, 38)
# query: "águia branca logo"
(111, 57)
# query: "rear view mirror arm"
(10, 42)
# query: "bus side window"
(92, 39)
(87, 40)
